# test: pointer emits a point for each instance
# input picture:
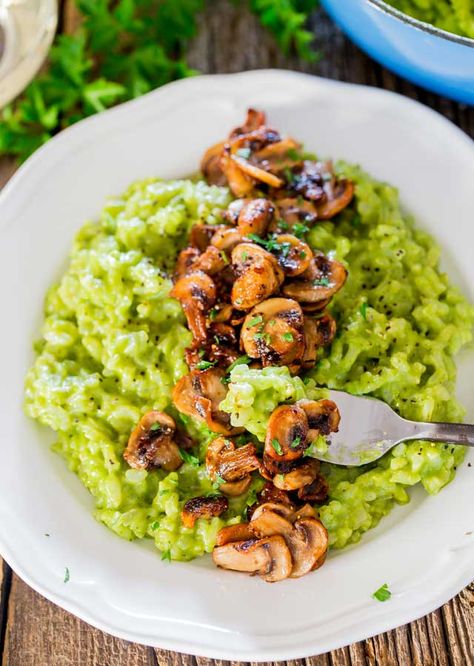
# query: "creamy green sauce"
(112, 347)
(452, 15)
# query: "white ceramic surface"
(424, 551)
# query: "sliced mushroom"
(211, 165)
(269, 557)
(231, 214)
(185, 261)
(273, 332)
(197, 294)
(306, 511)
(317, 333)
(231, 533)
(319, 282)
(278, 156)
(199, 394)
(203, 507)
(323, 417)
(226, 239)
(294, 255)
(258, 275)
(317, 491)
(253, 121)
(299, 476)
(232, 465)
(284, 510)
(211, 261)
(285, 439)
(239, 182)
(201, 234)
(296, 211)
(152, 444)
(339, 194)
(255, 217)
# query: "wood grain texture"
(38, 633)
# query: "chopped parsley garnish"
(382, 594)
(225, 258)
(270, 245)
(296, 442)
(244, 153)
(238, 361)
(266, 337)
(189, 458)
(283, 225)
(322, 282)
(217, 340)
(303, 254)
(238, 301)
(166, 555)
(218, 482)
(293, 154)
(255, 321)
(284, 249)
(66, 575)
(156, 427)
(277, 446)
(363, 310)
(289, 175)
(299, 229)
(244, 256)
(155, 525)
(212, 314)
(204, 365)
(288, 337)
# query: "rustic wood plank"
(38, 632)
(41, 634)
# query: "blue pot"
(430, 57)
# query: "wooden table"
(34, 631)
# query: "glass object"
(27, 29)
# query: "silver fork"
(369, 428)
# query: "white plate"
(422, 550)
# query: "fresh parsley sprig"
(122, 50)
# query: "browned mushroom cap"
(185, 261)
(271, 494)
(255, 217)
(239, 182)
(269, 557)
(282, 509)
(232, 212)
(294, 255)
(338, 195)
(211, 165)
(203, 507)
(315, 308)
(317, 333)
(199, 394)
(258, 275)
(296, 210)
(201, 234)
(306, 511)
(305, 539)
(273, 332)
(231, 533)
(316, 491)
(286, 435)
(232, 465)
(211, 261)
(253, 121)
(323, 417)
(197, 294)
(279, 155)
(226, 239)
(319, 282)
(299, 476)
(152, 444)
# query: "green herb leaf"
(277, 446)
(363, 310)
(155, 525)
(225, 258)
(204, 365)
(166, 555)
(382, 594)
(238, 361)
(296, 442)
(189, 458)
(299, 229)
(244, 153)
(155, 427)
(289, 175)
(213, 313)
(322, 282)
(218, 481)
(254, 321)
(293, 154)
(288, 337)
(67, 575)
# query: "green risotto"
(452, 15)
(112, 348)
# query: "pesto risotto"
(113, 345)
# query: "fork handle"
(451, 433)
